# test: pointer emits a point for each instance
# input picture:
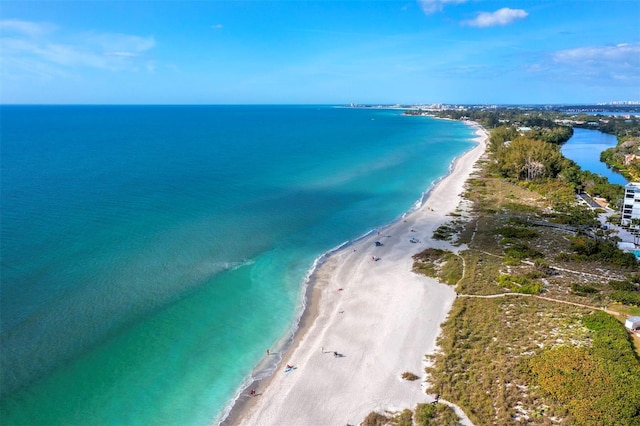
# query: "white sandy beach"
(378, 315)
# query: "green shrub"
(518, 284)
(444, 232)
(375, 419)
(409, 376)
(623, 285)
(626, 297)
(405, 418)
(589, 249)
(519, 233)
(435, 415)
(522, 251)
(424, 414)
(598, 385)
(583, 289)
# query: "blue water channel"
(585, 147)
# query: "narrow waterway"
(585, 147)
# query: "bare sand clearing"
(378, 316)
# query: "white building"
(631, 203)
(632, 323)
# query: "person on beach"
(252, 392)
(335, 354)
(268, 352)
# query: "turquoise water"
(150, 255)
(585, 147)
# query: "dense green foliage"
(441, 264)
(528, 159)
(623, 285)
(435, 415)
(589, 249)
(405, 418)
(591, 183)
(518, 284)
(623, 128)
(515, 232)
(555, 135)
(626, 297)
(574, 215)
(583, 290)
(599, 385)
(375, 419)
(623, 158)
(627, 291)
(538, 157)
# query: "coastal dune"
(370, 319)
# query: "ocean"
(151, 254)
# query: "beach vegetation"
(583, 290)
(626, 297)
(444, 265)
(516, 251)
(409, 376)
(444, 232)
(597, 383)
(436, 414)
(499, 357)
(631, 283)
(529, 159)
(404, 418)
(517, 232)
(586, 248)
(518, 284)
(376, 419)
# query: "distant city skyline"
(312, 52)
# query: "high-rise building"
(631, 203)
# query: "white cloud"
(503, 16)
(602, 63)
(30, 29)
(593, 65)
(217, 26)
(432, 6)
(38, 46)
(623, 54)
(121, 42)
(123, 54)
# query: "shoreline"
(348, 267)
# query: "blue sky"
(311, 52)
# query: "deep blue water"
(150, 255)
(585, 147)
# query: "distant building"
(629, 158)
(631, 203)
